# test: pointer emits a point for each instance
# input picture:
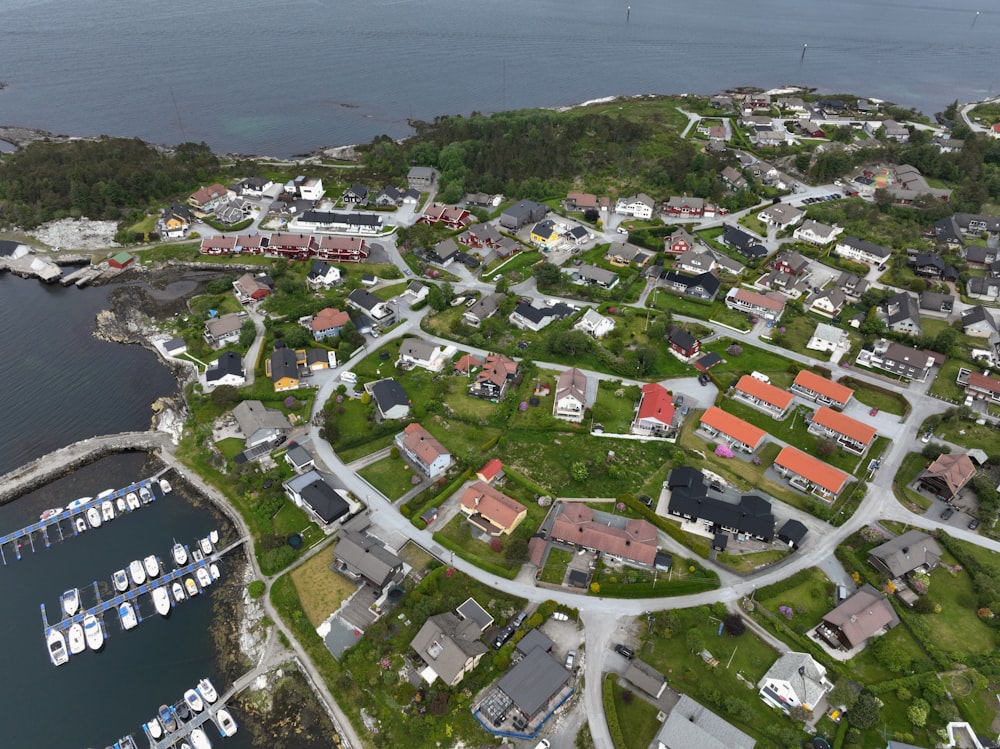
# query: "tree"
(248, 332)
(864, 714)
(435, 298)
(734, 624)
(225, 397)
(646, 358)
(572, 342)
(935, 450)
(843, 694)
(694, 639)
(889, 653)
(579, 471)
(546, 274)
(917, 712)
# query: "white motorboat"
(94, 517)
(161, 599)
(204, 577)
(57, 648)
(206, 546)
(165, 486)
(194, 701)
(213, 568)
(145, 496)
(199, 740)
(50, 513)
(93, 631)
(213, 537)
(77, 503)
(81, 524)
(120, 505)
(127, 742)
(120, 579)
(178, 590)
(132, 500)
(226, 723)
(191, 587)
(152, 566)
(77, 643)
(206, 690)
(196, 555)
(137, 572)
(154, 729)
(70, 601)
(106, 493)
(107, 510)
(180, 554)
(127, 615)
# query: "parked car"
(873, 412)
(570, 658)
(926, 438)
(973, 524)
(519, 619)
(625, 651)
(646, 500)
(679, 401)
(543, 744)
(947, 512)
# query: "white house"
(571, 396)
(415, 352)
(416, 292)
(816, 233)
(423, 450)
(862, 251)
(781, 215)
(794, 680)
(637, 206)
(828, 338)
(595, 324)
(226, 370)
(322, 275)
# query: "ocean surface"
(59, 384)
(255, 76)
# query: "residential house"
(947, 475)
(449, 216)
(389, 197)
(306, 188)
(979, 257)
(851, 284)
(416, 352)
(283, 369)
(595, 324)
(175, 347)
(865, 614)
(745, 244)
(226, 370)
(703, 286)
(906, 553)
(852, 435)
(259, 424)
(322, 275)
(492, 380)
(356, 195)
(763, 396)
(862, 251)
(792, 533)
(895, 131)
(443, 253)
(737, 433)
(978, 322)
(640, 674)
(490, 510)
(682, 344)
(794, 680)
(492, 472)
(318, 359)
(225, 329)
(300, 459)
(733, 178)
(929, 265)
(829, 303)
(252, 187)
(678, 244)
(816, 233)
(342, 249)
(931, 301)
(328, 323)
(233, 211)
(689, 500)
(591, 275)
(570, 401)
(450, 647)
(544, 234)
(623, 255)
(314, 493)
(363, 557)
(372, 307)
(655, 414)
(696, 261)
(533, 688)
(485, 308)
(627, 539)
(812, 130)
(821, 390)
(416, 292)
(205, 199)
(639, 206)
(690, 724)
(175, 221)
(781, 215)
(770, 306)
(578, 235)
(790, 262)
(250, 288)
(791, 286)
(391, 401)
(522, 213)
(480, 235)
(909, 184)
(353, 222)
(424, 452)
(581, 201)
(684, 207)
(901, 360)
(901, 313)
(529, 317)
(809, 474)
(422, 177)
(987, 289)
(292, 246)
(981, 386)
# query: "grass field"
(230, 447)
(555, 566)
(968, 434)
(809, 593)
(912, 464)
(957, 628)
(871, 395)
(944, 384)
(391, 476)
(636, 717)
(615, 412)
(746, 563)
(320, 589)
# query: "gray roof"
(534, 638)
(485, 306)
(907, 552)
(865, 246)
(693, 726)
(446, 642)
(470, 609)
(298, 455)
(978, 314)
(252, 416)
(807, 683)
(535, 680)
(644, 676)
(366, 556)
(417, 348)
(219, 327)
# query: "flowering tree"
(723, 452)
(786, 612)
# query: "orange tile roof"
(812, 469)
(421, 443)
(762, 391)
(493, 505)
(576, 525)
(828, 388)
(845, 425)
(330, 317)
(983, 382)
(733, 426)
(489, 471)
(656, 403)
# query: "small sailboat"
(81, 524)
(151, 565)
(206, 546)
(57, 648)
(178, 590)
(145, 496)
(135, 569)
(94, 517)
(77, 643)
(132, 500)
(165, 486)
(127, 615)
(191, 587)
(206, 690)
(107, 510)
(93, 631)
(161, 599)
(213, 568)
(179, 553)
(120, 580)
(50, 513)
(226, 723)
(70, 601)
(194, 701)
(204, 577)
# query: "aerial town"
(608, 470)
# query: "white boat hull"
(127, 615)
(206, 690)
(199, 740)
(165, 486)
(178, 590)
(194, 701)
(204, 577)
(94, 517)
(107, 510)
(137, 572)
(58, 653)
(81, 525)
(161, 599)
(180, 555)
(70, 601)
(226, 723)
(77, 643)
(151, 565)
(132, 500)
(93, 632)
(120, 580)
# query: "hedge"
(660, 589)
(670, 528)
(439, 498)
(482, 564)
(611, 713)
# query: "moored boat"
(213, 568)
(93, 631)
(127, 615)
(226, 723)
(161, 599)
(50, 513)
(57, 648)
(204, 577)
(145, 496)
(178, 590)
(77, 643)
(179, 553)
(154, 729)
(127, 742)
(106, 493)
(136, 570)
(94, 517)
(77, 503)
(120, 505)
(81, 524)
(206, 690)
(196, 555)
(132, 500)
(70, 601)
(165, 486)
(199, 740)
(206, 546)
(182, 711)
(214, 537)
(194, 701)
(191, 587)
(120, 579)
(151, 565)
(107, 510)
(167, 719)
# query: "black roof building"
(388, 393)
(534, 682)
(704, 285)
(737, 238)
(229, 363)
(792, 533)
(324, 500)
(689, 498)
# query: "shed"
(792, 533)
(720, 541)
(121, 260)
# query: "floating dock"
(44, 533)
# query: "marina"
(61, 524)
(188, 718)
(126, 605)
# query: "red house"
(121, 260)
(678, 243)
(342, 249)
(683, 343)
(449, 215)
(292, 246)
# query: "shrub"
(256, 589)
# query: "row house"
(450, 216)
(342, 249)
(763, 396)
(737, 433)
(852, 435)
(769, 306)
(292, 246)
(685, 207)
(809, 474)
(821, 390)
(689, 499)
(862, 251)
(244, 244)
(355, 222)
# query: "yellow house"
(544, 234)
(491, 510)
(283, 369)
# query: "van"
(622, 230)
(348, 377)
(841, 592)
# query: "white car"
(926, 438)
(543, 744)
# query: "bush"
(256, 589)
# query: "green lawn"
(968, 434)
(636, 717)
(912, 464)
(876, 397)
(391, 476)
(230, 447)
(555, 566)
(809, 593)
(725, 316)
(944, 384)
(957, 628)
(615, 412)
(781, 370)
(747, 563)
